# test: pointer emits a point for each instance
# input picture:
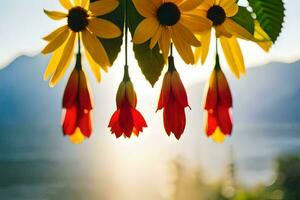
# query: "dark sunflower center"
(78, 19)
(217, 15)
(168, 14)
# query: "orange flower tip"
(218, 136)
(77, 137)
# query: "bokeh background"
(260, 161)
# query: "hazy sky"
(23, 24)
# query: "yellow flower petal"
(237, 30)
(65, 60)
(222, 31)
(145, 30)
(94, 66)
(55, 14)
(103, 7)
(196, 24)
(77, 137)
(217, 2)
(234, 56)
(165, 42)
(103, 28)
(183, 48)
(55, 33)
(156, 37)
(57, 42)
(190, 5)
(218, 136)
(145, 7)
(66, 4)
(202, 52)
(55, 59)
(85, 4)
(206, 4)
(186, 35)
(231, 9)
(77, 2)
(95, 49)
(260, 34)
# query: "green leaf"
(270, 14)
(113, 46)
(150, 61)
(244, 18)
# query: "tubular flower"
(126, 120)
(218, 106)
(173, 100)
(77, 105)
(219, 12)
(168, 21)
(81, 20)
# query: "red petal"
(225, 121)
(114, 124)
(126, 119)
(174, 118)
(180, 123)
(211, 122)
(165, 91)
(84, 94)
(70, 121)
(114, 118)
(85, 124)
(211, 97)
(179, 90)
(225, 97)
(71, 90)
(139, 121)
(116, 129)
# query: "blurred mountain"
(268, 94)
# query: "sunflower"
(219, 12)
(82, 22)
(167, 21)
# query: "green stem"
(126, 71)
(78, 64)
(217, 66)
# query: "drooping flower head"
(77, 105)
(167, 21)
(173, 100)
(219, 12)
(126, 120)
(218, 106)
(82, 20)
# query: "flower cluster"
(77, 105)
(218, 104)
(126, 120)
(186, 24)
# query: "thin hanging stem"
(171, 60)
(217, 66)
(79, 44)
(78, 65)
(126, 32)
(126, 72)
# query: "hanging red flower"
(126, 119)
(77, 105)
(173, 100)
(218, 105)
